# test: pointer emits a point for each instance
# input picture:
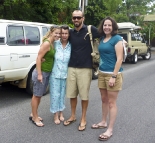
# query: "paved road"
(135, 121)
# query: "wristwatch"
(114, 76)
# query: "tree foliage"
(59, 11)
(133, 9)
(46, 11)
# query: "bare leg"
(38, 116)
(105, 106)
(84, 104)
(56, 118)
(73, 103)
(105, 110)
(34, 104)
(112, 112)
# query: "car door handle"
(24, 56)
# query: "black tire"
(29, 87)
(94, 74)
(147, 56)
(135, 58)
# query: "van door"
(23, 44)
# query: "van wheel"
(147, 56)
(135, 58)
(29, 86)
(94, 74)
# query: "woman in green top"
(40, 75)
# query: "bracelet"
(114, 76)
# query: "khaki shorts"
(103, 81)
(78, 82)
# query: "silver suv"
(136, 42)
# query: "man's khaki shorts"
(78, 82)
(103, 81)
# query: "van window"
(2, 40)
(32, 35)
(15, 35)
(44, 30)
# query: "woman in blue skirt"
(59, 74)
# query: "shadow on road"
(10, 95)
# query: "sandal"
(103, 137)
(67, 122)
(83, 127)
(30, 118)
(38, 124)
(97, 126)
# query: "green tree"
(99, 9)
(133, 9)
(46, 11)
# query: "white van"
(19, 45)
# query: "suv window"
(136, 37)
(32, 35)
(15, 35)
(44, 30)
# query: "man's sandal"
(67, 122)
(103, 137)
(97, 126)
(83, 127)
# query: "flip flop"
(30, 118)
(97, 126)
(67, 122)
(104, 137)
(84, 127)
(38, 124)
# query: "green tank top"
(47, 65)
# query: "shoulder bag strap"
(90, 35)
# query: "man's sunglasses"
(76, 17)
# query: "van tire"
(135, 58)
(29, 85)
(147, 56)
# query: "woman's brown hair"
(114, 26)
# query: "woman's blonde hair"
(52, 29)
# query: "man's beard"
(78, 25)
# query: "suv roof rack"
(128, 25)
